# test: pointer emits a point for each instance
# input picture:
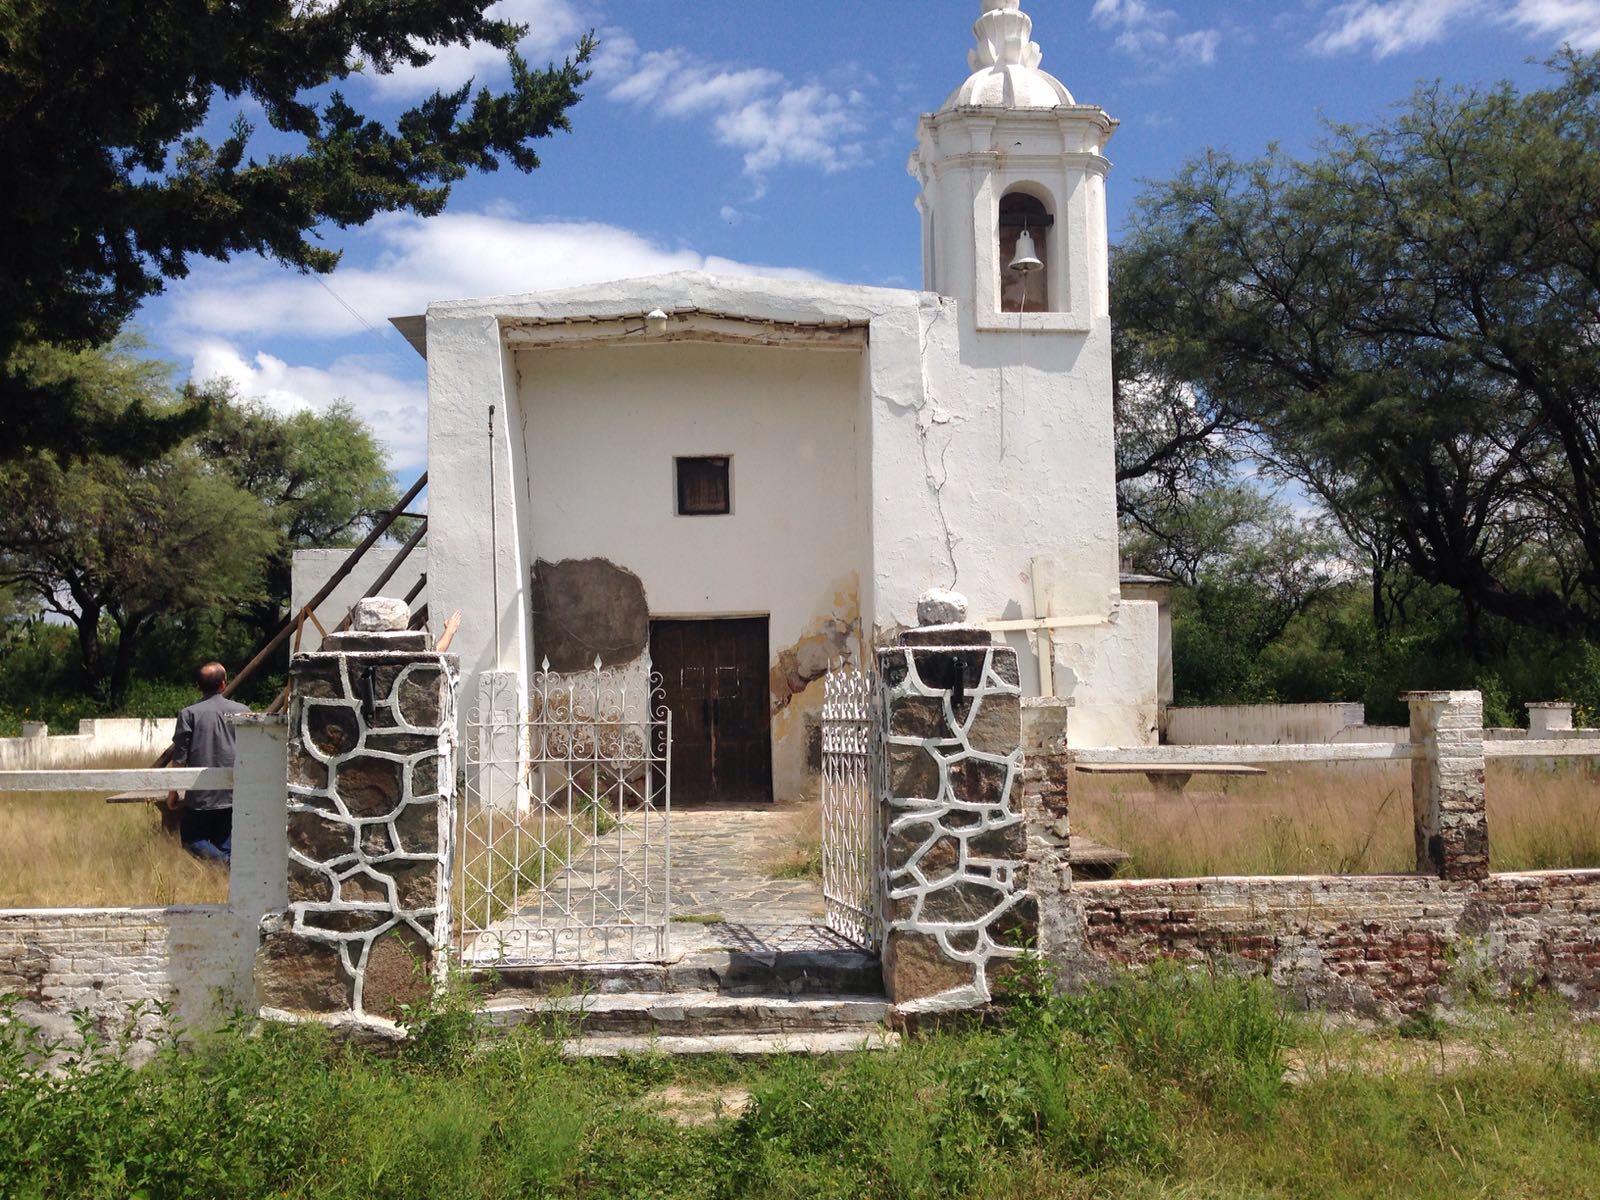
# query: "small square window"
(703, 487)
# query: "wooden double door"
(714, 673)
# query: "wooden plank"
(448, 633)
(1029, 624)
(1165, 756)
(132, 779)
(1120, 768)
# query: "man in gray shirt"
(204, 738)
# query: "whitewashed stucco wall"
(987, 452)
(602, 426)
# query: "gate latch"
(368, 692)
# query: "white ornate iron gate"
(852, 798)
(566, 832)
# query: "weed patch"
(1169, 1082)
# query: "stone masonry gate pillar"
(1447, 769)
(371, 782)
(957, 899)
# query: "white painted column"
(256, 881)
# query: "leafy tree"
(1249, 568)
(320, 474)
(114, 182)
(115, 547)
(1406, 327)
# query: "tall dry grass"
(73, 850)
(1543, 817)
(1330, 819)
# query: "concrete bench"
(1169, 778)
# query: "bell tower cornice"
(1010, 151)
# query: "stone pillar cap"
(380, 614)
(941, 606)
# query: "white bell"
(1026, 260)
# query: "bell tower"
(1013, 189)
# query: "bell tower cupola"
(1013, 200)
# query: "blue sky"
(743, 136)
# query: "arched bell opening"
(1026, 227)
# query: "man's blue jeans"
(208, 833)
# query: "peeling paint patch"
(583, 607)
(832, 636)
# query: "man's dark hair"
(211, 678)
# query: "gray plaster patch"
(583, 607)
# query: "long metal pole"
(494, 543)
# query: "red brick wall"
(1376, 946)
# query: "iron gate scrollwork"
(853, 785)
(566, 833)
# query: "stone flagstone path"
(724, 895)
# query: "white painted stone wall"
(601, 430)
(313, 568)
(1266, 724)
(102, 742)
(199, 959)
(1111, 673)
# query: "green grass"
(1167, 1084)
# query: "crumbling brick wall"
(1371, 946)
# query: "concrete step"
(782, 972)
(743, 1045)
(694, 1014)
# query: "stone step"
(782, 972)
(742, 1045)
(694, 1014)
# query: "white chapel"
(736, 482)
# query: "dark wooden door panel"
(715, 676)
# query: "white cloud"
(396, 408)
(417, 260)
(222, 307)
(554, 27)
(1146, 33)
(1576, 22)
(756, 111)
(1387, 27)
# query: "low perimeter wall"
(1372, 946)
(103, 961)
(98, 743)
(1257, 724)
(199, 960)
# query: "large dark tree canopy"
(1408, 327)
(111, 189)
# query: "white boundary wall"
(198, 958)
(1258, 724)
(97, 743)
